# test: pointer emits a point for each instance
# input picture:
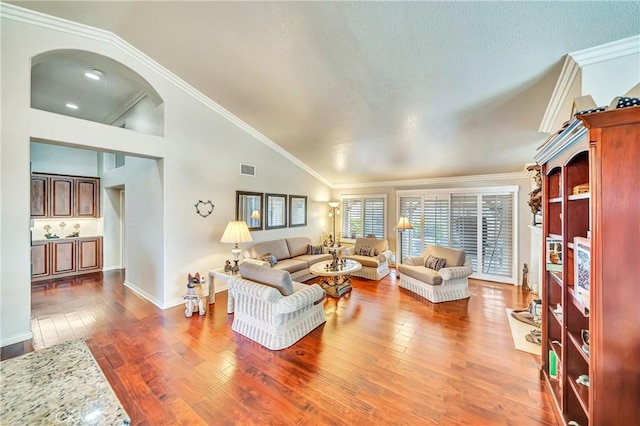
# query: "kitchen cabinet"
(60, 196)
(64, 257)
(40, 265)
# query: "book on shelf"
(553, 365)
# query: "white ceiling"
(372, 91)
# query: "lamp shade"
(334, 204)
(403, 224)
(236, 232)
(255, 214)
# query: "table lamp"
(236, 232)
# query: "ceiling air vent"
(248, 170)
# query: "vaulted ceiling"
(372, 91)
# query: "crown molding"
(42, 20)
(571, 135)
(573, 64)
(615, 49)
(130, 103)
(436, 181)
(568, 76)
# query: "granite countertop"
(58, 385)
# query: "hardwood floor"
(384, 356)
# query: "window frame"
(362, 198)
(478, 192)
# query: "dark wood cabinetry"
(58, 196)
(600, 150)
(40, 265)
(65, 257)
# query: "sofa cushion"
(314, 249)
(435, 263)
(366, 251)
(277, 247)
(453, 257)
(271, 258)
(297, 245)
(371, 262)
(421, 273)
(378, 244)
(278, 279)
(312, 259)
(291, 265)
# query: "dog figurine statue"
(195, 300)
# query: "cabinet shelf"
(581, 392)
(554, 315)
(577, 303)
(578, 345)
(556, 200)
(583, 196)
(557, 277)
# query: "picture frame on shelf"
(554, 254)
(582, 269)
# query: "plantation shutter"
(352, 218)
(436, 220)
(374, 217)
(410, 207)
(497, 234)
(298, 210)
(464, 226)
(276, 209)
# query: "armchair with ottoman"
(272, 309)
(439, 275)
(373, 254)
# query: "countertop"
(66, 238)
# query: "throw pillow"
(271, 258)
(314, 249)
(435, 263)
(366, 251)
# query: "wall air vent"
(247, 170)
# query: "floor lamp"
(332, 213)
(403, 225)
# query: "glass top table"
(336, 281)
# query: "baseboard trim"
(143, 293)
(16, 339)
(111, 268)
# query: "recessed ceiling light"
(94, 74)
(71, 106)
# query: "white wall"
(46, 158)
(608, 79)
(200, 156)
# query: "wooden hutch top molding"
(604, 119)
(560, 142)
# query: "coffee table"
(335, 281)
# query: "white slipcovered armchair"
(450, 282)
(271, 309)
(375, 266)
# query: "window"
(480, 221)
(363, 216)
(276, 207)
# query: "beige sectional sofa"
(291, 254)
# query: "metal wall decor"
(204, 208)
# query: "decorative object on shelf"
(554, 254)
(227, 266)
(49, 235)
(334, 210)
(204, 208)
(62, 225)
(582, 269)
(236, 232)
(581, 189)
(76, 233)
(583, 379)
(535, 196)
(584, 335)
(195, 300)
(403, 225)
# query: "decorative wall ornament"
(204, 208)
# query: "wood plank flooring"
(384, 356)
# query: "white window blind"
(497, 234)
(480, 221)
(464, 226)
(298, 210)
(362, 216)
(276, 209)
